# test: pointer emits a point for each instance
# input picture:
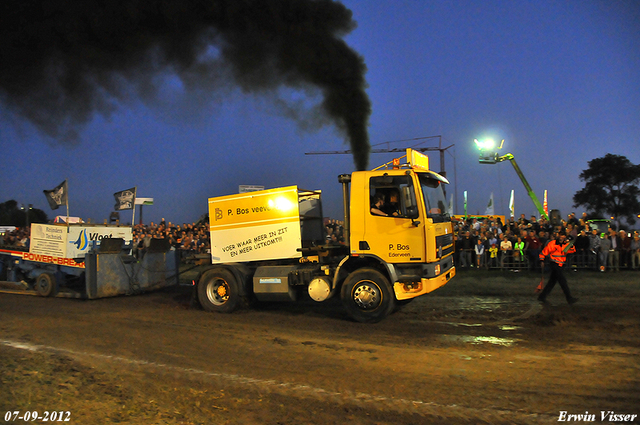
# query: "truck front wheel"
(367, 296)
(218, 291)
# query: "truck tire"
(218, 291)
(367, 296)
(45, 284)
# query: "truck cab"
(410, 245)
(415, 244)
(268, 245)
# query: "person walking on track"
(557, 251)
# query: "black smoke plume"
(62, 61)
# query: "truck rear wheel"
(218, 291)
(46, 284)
(367, 296)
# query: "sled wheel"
(45, 284)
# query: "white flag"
(490, 210)
(465, 203)
(511, 206)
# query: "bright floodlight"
(485, 145)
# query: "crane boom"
(530, 192)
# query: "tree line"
(12, 214)
(611, 188)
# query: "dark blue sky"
(559, 81)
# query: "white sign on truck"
(72, 241)
(48, 240)
(255, 226)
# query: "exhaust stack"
(345, 179)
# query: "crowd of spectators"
(189, 239)
(335, 232)
(516, 244)
(479, 243)
(17, 238)
(194, 239)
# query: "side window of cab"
(392, 196)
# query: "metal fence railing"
(585, 260)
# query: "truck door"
(393, 230)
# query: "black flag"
(125, 199)
(57, 196)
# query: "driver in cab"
(386, 209)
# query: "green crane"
(490, 156)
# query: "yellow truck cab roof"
(416, 161)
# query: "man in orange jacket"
(557, 251)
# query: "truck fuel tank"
(271, 283)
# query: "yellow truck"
(271, 245)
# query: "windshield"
(436, 205)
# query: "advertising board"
(82, 238)
(255, 226)
(71, 241)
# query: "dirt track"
(479, 350)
